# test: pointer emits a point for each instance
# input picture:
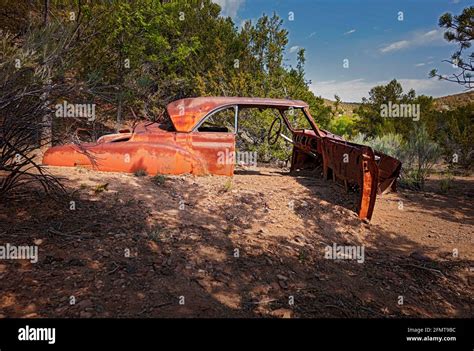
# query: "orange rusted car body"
(184, 148)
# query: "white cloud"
(350, 31)
(293, 49)
(312, 34)
(416, 40)
(421, 64)
(402, 44)
(354, 90)
(229, 7)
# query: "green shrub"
(418, 154)
(228, 185)
(389, 144)
(101, 187)
(454, 130)
(140, 173)
(159, 179)
(446, 183)
(343, 126)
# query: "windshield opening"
(297, 119)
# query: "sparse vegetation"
(158, 179)
(228, 185)
(101, 188)
(418, 154)
(156, 233)
(446, 183)
(141, 172)
(302, 256)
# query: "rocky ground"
(250, 246)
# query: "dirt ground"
(251, 246)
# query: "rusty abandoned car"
(196, 137)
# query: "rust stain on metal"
(185, 149)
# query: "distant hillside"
(442, 103)
(345, 107)
(453, 101)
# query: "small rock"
(283, 284)
(50, 259)
(76, 262)
(83, 304)
(85, 314)
(419, 256)
(119, 282)
(131, 269)
(282, 313)
(31, 315)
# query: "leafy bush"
(343, 126)
(454, 129)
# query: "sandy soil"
(251, 246)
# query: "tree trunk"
(46, 132)
(46, 12)
(120, 85)
(119, 112)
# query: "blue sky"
(369, 35)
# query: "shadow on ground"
(192, 247)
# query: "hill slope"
(442, 103)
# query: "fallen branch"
(424, 268)
(68, 234)
(260, 302)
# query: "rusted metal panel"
(373, 172)
(389, 170)
(358, 165)
(186, 114)
(154, 150)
